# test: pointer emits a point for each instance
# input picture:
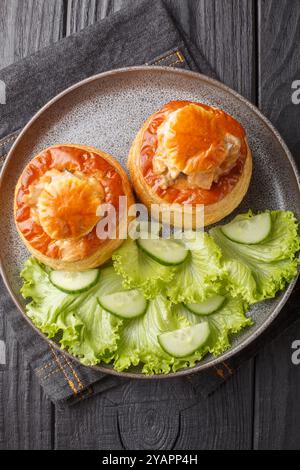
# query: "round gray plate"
(106, 111)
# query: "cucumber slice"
(74, 283)
(183, 342)
(207, 307)
(150, 227)
(144, 229)
(249, 231)
(166, 252)
(127, 304)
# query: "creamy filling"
(170, 173)
(65, 204)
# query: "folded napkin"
(117, 41)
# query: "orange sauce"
(72, 159)
(192, 195)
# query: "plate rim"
(266, 122)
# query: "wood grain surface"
(277, 409)
(254, 47)
(146, 417)
(25, 413)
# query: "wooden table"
(254, 45)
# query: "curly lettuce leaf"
(140, 271)
(244, 273)
(201, 274)
(229, 320)
(259, 271)
(138, 339)
(84, 328)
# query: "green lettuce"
(82, 326)
(140, 271)
(228, 320)
(138, 339)
(201, 274)
(245, 274)
(259, 271)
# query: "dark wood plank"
(149, 412)
(139, 415)
(235, 45)
(172, 414)
(222, 421)
(279, 52)
(277, 407)
(25, 413)
(82, 13)
(28, 25)
(277, 410)
(225, 32)
(92, 424)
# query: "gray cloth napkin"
(118, 41)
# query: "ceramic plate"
(106, 111)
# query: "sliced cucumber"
(183, 342)
(127, 304)
(249, 231)
(166, 252)
(207, 307)
(144, 229)
(152, 228)
(74, 283)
